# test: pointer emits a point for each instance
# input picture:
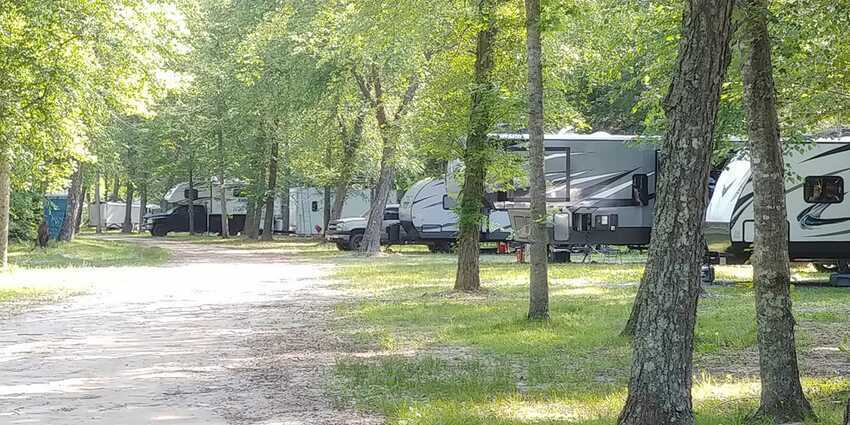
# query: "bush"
(25, 215)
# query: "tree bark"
(97, 202)
(284, 194)
(66, 234)
(538, 306)
(782, 398)
(191, 205)
(143, 203)
(116, 187)
(661, 375)
(250, 220)
(268, 225)
(326, 213)
(5, 205)
(476, 155)
(127, 226)
(78, 222)
(225, 225)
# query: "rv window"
(448, 202)
(314, 206)
(824, 190)
(390, 215)
(190, 194)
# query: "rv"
(425, 216)
(111, 214)
(307, 206)
(206, 209)
(818, 213)
(600, 189)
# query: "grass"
(432, 356)
(86, 251)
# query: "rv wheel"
(441, 247)
(355, 241)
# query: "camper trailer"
(111, 214)
(599, 187)
(427, 213)
(818, 211)
(425, 216)
(307, 208)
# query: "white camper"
(815, 197)
(307, 206)
(111, 214)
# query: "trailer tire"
(355, 241)
(342, 246)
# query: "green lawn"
(86, 251)
(431, 356)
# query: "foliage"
(86, 252)
(26, 214)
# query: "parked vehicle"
(111, 214)
(348, 232)
(818, 213)
(599, 187)
(206, 206)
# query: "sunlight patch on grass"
(86, 251)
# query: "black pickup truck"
(177, 220)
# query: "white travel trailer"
(426, 213)
(818, 213)
(111, 214)
(600, 189)
(307, 208)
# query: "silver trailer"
(427, 214)
(600, 189)
(818, 213)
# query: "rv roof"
(600, 136)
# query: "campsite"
(494, 212)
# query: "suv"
(348, 232)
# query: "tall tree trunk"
(127, 226)
(538, 305)
(475, 155)
(782, 398)
(372, 237)
(73, 206)
(351, 143)
(97, 202)
(116, 187)
(661, 375)
(5, 201)
(250, 220)
(191, 206)
(326, 209)
(143, 203)
(268, 225)
(284, 193)
(225, 225)
(388, 129)
(78, 222)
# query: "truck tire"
(342, 246)
(158, 231)
(443, 247)
(355, 241)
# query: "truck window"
(824, 190)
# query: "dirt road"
(217, 336)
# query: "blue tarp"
(54, 213)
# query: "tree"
(5, 201)
(271, 191)
(661, 374)
(538, 307)
(75, 193)
(782, 398)
(475, 156)
(127, 225)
